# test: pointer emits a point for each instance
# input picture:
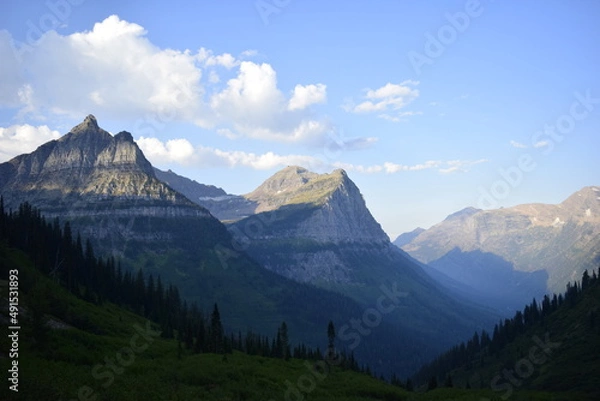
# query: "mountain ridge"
(129, 214)
(531, 236)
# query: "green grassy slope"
(99, 353)
(559, 352)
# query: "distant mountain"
(405, 238)
(561, 240)
(190, 188)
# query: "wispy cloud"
(183, 152)
(386, 100)
(518, 145)
(444, 167)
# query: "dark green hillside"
(550, 346)
(76, 349)
(307, 311)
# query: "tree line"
(471, 353)
(69, 260)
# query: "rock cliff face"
(298, 204)
(561, 240)
(305, 226)
(314, 228)
(327, 208)
(103, 184)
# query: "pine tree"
(216, 331)
(285, 341)
(331, 339)
(585, 280)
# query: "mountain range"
(316, 229)
(303, 248)
(514, 253)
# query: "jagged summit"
(87, 161)
(89, 125)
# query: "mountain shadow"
(492, 279)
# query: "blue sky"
(430, 106)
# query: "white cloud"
(226, 60)
(255, 107)
(113, 68)
(400, 116)
(19, 139)
(248, 53)
(175, 150)
(116, 71)
(385, 100)
(181, 151)
(518, 145)
(540, 144)
(464, 166)
(304, 96)
(443, 167)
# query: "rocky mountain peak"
(89, 124)
(588, 198)
(338, 212)
(289, 179)
(296, 185)
(124, 136)
(87, 160)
